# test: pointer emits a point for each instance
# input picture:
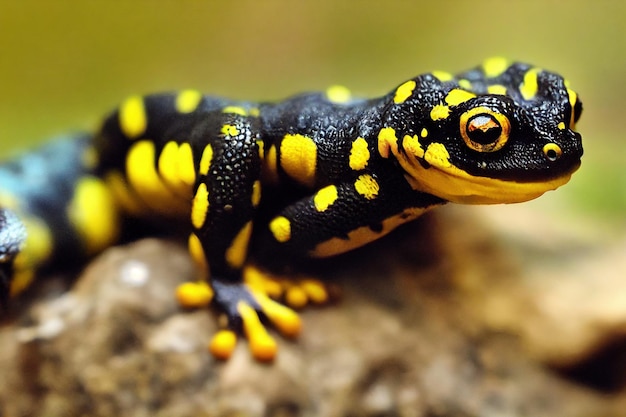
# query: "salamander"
(312, 176)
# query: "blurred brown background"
(63, 64)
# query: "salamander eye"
(484, 130)
(552, 151)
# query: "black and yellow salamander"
(309, 177)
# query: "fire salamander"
(309, 177)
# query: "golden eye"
(552, 151)
(484, 130)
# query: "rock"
(418, 331)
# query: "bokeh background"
(64, 64)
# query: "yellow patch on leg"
(238, 249)
(200, 206)
(281, 228)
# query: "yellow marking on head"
(238, 249)
(437, 154)
(223, 344)
(404, 91)
(442, 76)
(338, 94)
(494, 67)
(206, 159)
(367, 186)
(256, 193)
(529, 86)
(94, 214)
(465, 84)
(572, 96)
(146, 181)
(387, 141)
(364, 235)
(229, 130)
(186, 169)
(235, 110)
(187, 101)
(325, 197)
(424, 132)
(197, 251)
(262, 346)
(200, 206)
(194, 294)
(169, 171)
(132, 117)
(561, 125)
(123, 195)
(412, 145)
(298, 158)
(89, 158)
(439, 112)
(21, 278)
(359, 154)
(254, 112)
(269, 168)
(497, 89)
(281, 228)
(458, 96)
(261, 146)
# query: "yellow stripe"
(200, 206)
(238, 249)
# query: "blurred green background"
(64, 64)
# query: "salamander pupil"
(483, 129)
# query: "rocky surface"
(446, 317)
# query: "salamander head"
(500, 133)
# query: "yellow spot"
(94, 214)
(458, 96)
(261, 145)
(325, 197)
(367, 186)
(238, 249)
(338, 94)
(442, 76)
(256, 193)
(561, 126)
(359, 154)
(168, 165)
(194, 294)
(495, 66)
(571, 94)
(529, 86)
(298, 157)
(439, 112)
(36, 250)
(269, 169)
(235, 110)
(230, 130)
(187, 101)
(123, 195)
(497, 89)
(437, 155)
(205, 160)
(364, 235)
(255, 112)
(223, 344)
(465, 84)
(412, 146)
(132, 117)
(424, 132)
(146, 182)
(197, 251)
(387, 141)
(285, 319)
(200, 206)
(404, 91)
(186, 169)
(281, 228)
